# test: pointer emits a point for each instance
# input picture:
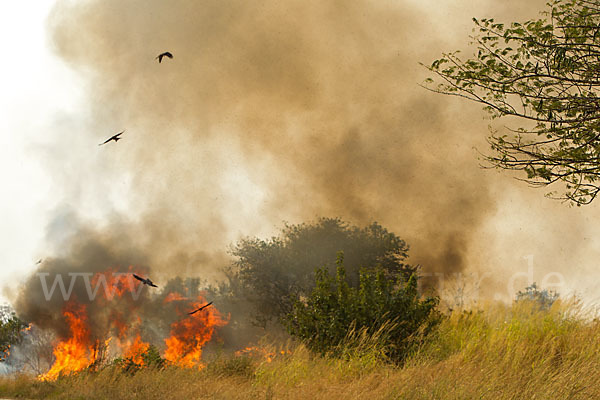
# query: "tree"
(546, 73)
(11, 330)
(268, 273)
(379, 305)
(36, 351)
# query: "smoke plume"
(269, 111)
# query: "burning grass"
(112, 327)
(498, 353)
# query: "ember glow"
(260, 352)
(121, 335)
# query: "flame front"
(120, 318)
(190, 333)
(76, 352)
(135, 350)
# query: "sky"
(36, 88)
(268, 113)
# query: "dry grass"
(499, 353)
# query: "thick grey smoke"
(92, 278)
(42, 300)
(270, 111)
(314, 105)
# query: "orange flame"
(184, 346)
(190, 334)
(77, 352)
(134, 350)
(261, 352)
(174, 296)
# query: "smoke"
(269, 111)
(275, 111)
(89, 279)
(42, 301)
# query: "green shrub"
(389, 309)
(11, 330)
(544, 298)
(266, 273)
(150, 359)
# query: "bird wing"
(139, 278)
(165, 54)
(201, 308)
(114, 137)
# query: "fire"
(120, 318)
(174, 296)
(5, 349)
(190, 334)
(260, 352)
(135, 350)
(77, 352)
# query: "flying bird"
(201, 308)
(116, 138)
(162, 55)
(38, 261)
(146, 281)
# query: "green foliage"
(150, 359)
(268, 273)
(545, 72)
(11, 330)
(544, 298)
(337, 314)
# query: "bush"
(11, 330)
(544, 298)
(267, 273)
(390, 309)
(150, 359)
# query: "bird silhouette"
(38, 261)
(201, 308)
(146, 281)
(116, 138)
(162, 55)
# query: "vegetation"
(11, 330)
(499, 352)
(544, 298)
(545, 73)
(269, 274)
(149, 359)
(391, 309)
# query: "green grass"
(499, 352)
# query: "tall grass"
(499, 352)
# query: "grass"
(497, 353)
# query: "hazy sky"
(36, 88)
(268, 113)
